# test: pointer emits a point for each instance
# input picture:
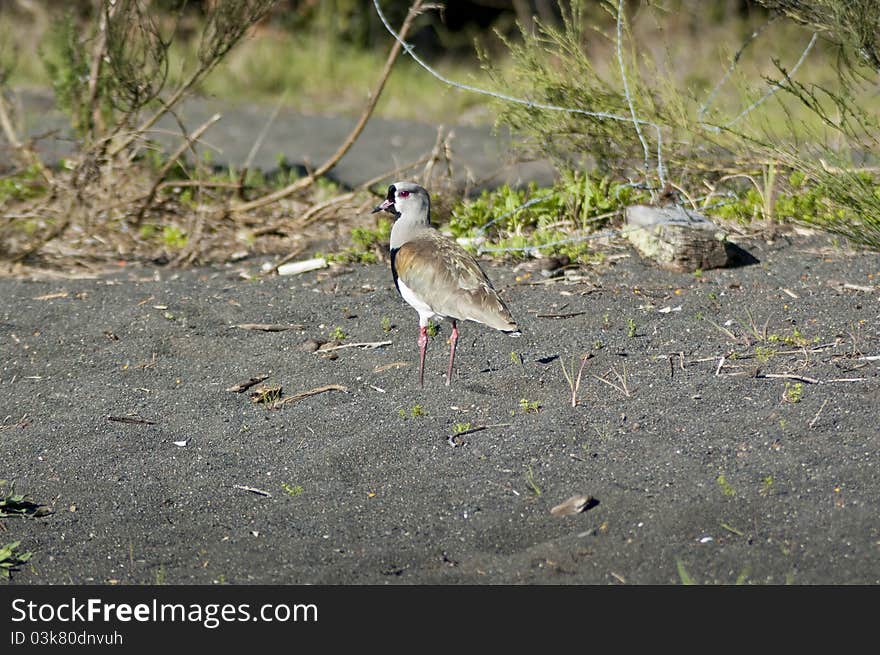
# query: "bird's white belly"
(424, 310)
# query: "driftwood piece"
(676, 238)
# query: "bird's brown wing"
(450, 281)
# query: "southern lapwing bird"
(435, 275)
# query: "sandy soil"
(116, 415)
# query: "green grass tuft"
(11, 558)
(292, 490)
(539, 218)
(683, 575)
(725, 486)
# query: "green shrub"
(549, 220)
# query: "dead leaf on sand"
(573, 505)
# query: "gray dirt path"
(481, 155)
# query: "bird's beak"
(386, 204)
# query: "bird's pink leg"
(423, 345)
(452, 339)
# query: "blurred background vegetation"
(768, 106)
(326, 53)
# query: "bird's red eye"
(403, 194)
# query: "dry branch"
(99, 54)
(307, 181)
(305, 394)
(789, 376)
(130, 419)
(258, 143)
(6, 125)
(269, 327)
(253, 490)
(819, 413)
(368, 345)
(227, 23)
(172, 160)
(12, 137)
(568, 315)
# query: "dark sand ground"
(699, 467)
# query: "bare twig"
(202, 184)
(730, 334)
(568, 315)
(433, 158)
(816, 417)
(837, 169)
(622, 386)
(733, 63)
(253, 490)
(172, 160)
(219, 41)
(367, 345)
(478, 428)
(393, 173)
(60, 226)
(182, 130)
(23, 422)
(269, 327)
(13, 139)
(305, 394)
(6, 124)
(789, 376)
(629, 100)
(146, 125)
(776, 85)
(315, 210)
(859, 287)
(399, 37)
(244, 386)
(194, 235)
(99, 54)
(307, 217)
(258, 144)
(307, 181)
(131, 419)
(575, 383)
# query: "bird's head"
(405, 198)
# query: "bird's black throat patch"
(394, 268)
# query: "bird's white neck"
(410, 223)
